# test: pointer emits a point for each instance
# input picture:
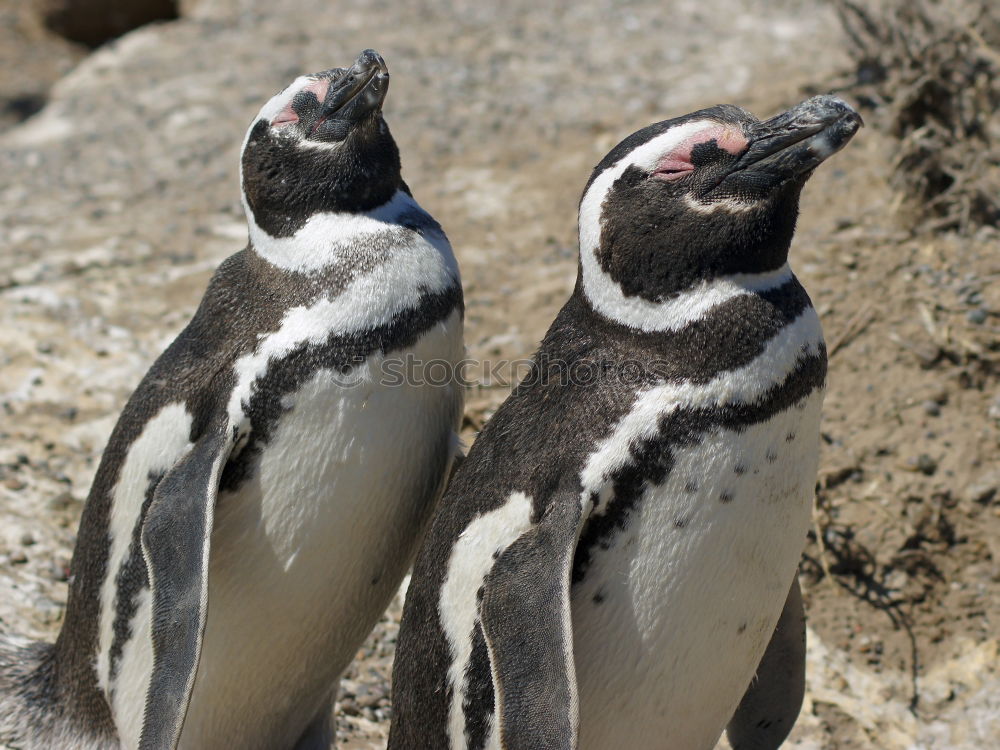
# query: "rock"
(984, 488)
(977, 316)
(923, 463)
(926, 464)
(94, 22)
(993, 412)
(60, 501)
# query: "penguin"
(264, 490)
(614, 562)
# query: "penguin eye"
(699, 150)
(673, 167)
(287, 116)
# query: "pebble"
(896, 580)
(993, 412)
(932, 408)
(984, 488)
(977, 316)
(348, 707)
(60, 569)
(61, 501)
(923, 463)
(370, 696)
(926, 465)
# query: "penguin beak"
(795, 143)
(353, 94)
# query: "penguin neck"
(675, 309)
(334, 237)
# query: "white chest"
(308, 551)
(672, 619)
(308, 555)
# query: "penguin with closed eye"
(614, 564)
(264, 490)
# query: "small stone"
(60, 569)
(984, 489)
(18, 557)
(993, 412)
(926, 465)
(27, 539)
(61, 501)
(14, 483)
(349, 707)
(48, 610)
(922, 463)
(977, 316)
(370, 697)
(932, 408)
(896, 580)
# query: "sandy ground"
(120, 197)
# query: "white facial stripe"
(282, 99)
(271, 110)
(163, 441)
(744, 385)
(471, 560)
(645, 157)
(326, 235)
(606, 295)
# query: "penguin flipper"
(525, 616)
(175, 543)
(771, 704)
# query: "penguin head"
(320, 145)
(709, 194)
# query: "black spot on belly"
(598, 597)
(742, 628)
(789, 437)
(740, 470)
(680, 523)
(726, 497)
(691, 486)
(772, 456)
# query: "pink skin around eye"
(288, 115)
(677, 163)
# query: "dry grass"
(931, 71)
